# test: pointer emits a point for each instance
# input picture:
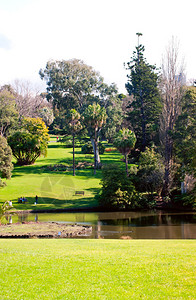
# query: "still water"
(132, 225)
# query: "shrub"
(186, 200)
(88, 148)
(101, 148)
(150, 172)
(5, 160)
(117, 189)
(30, 142)
(68, 142)
(55, 168)
(145, 201)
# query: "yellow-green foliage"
(30, 141)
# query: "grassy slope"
(97, 269)
(55, 189)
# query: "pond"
(130, 225)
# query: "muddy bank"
(43, 230)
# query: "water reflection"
(132, 225)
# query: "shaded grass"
(97, 269)
(56, 189)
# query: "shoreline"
(100, 209)
(43, 230)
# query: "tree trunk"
(143, 125)
(73, 155)
(126, 162)
(172, 93)
(97, 161)
(143, 117)
(168, 166)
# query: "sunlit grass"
(97, 269)
(56, 190)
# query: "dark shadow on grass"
(19, 171)
(40, 167)
(47, 204)
(54, 146)
(93, 190)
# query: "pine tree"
(146, 105)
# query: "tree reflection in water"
(136, 225)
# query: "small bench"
(79, 192)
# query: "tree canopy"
(30, 142)
(8, 113)
(70, 83)
(5, 160)
(185, 133)
(150, 172)
(146, 104)
(94, 118)
(172, 90)
(125, 141)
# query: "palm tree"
(94, 117)
(125, 142)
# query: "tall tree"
(185, 136)
(172, 82)
(5, 160)
(28, 101)
(70, 83)
(94, 118)
(8, 113)
(146, 105)
(125, 142)
(115, 116)
(75, 126)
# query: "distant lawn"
(56, 189)
(97, 269)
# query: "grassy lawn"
(56, 189)
(97, 269)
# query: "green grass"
(56, 190)
(97, 269)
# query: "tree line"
(153, 126)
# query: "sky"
(101, 33)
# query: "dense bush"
(30, 142)
(56, 168)
(88, 148)
(117, 189)
(145, 201)
(150, 172)
(5, 160)
(186, 200)
(68, 142)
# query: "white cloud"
(5, 43)
(102, 33)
